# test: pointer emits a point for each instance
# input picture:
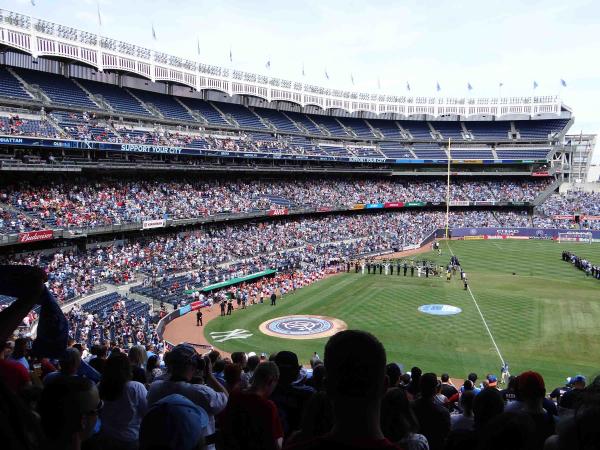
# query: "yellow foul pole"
(448, 191)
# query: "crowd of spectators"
(568, 204)
(16, 222)
(14, 125)
(108, 396)
(113, 323)
(309, 243)
(88, 203)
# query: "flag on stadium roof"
(500, 84)
(535, 85)
(352, 78)
(326, 74)
(99, 16)
(32, 2)
(407, 86)
(563, 83)
(153, 32)
(303, 73)
(469, 87)
(268, 65)
(198, 45)
(378, 83)
(230, 55)
(437, 86)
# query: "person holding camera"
(185, 366)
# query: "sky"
(377, 43)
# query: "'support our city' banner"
(148, 224)
(34, 236)
(515, 233)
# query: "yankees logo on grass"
(222, 336)
(302, 327)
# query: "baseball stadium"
(198, 252)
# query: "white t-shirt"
(204, 396)
(121, 418)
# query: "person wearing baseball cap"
(492, 381)
(175, 423)
(183, 362)
(572, 398)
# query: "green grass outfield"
(546, 317)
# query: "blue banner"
(374, 205)
(171, 150)
(508, 232)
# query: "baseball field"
(525, 306)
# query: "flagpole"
(448, 191)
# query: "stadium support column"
(448, 191)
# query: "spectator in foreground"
(399, 423)
(124, 404)
(138, 361)
(434, 419)
(251, 419)
(69, 408)
(14, 374)
(174, 423)
(514, 431)
(69, 365)
(355, 363)
(317, 419)
(572, 398)
(532, 390)
(465, 420)
(182, 364)
(290, 398)
(448, 389)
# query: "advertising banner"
(374, 205)
(486, 203)
(415, 204)
(516, 233)
(358, 206)
(35, 236)
(149, 224)
(393, 205)
(324, 208)
(278, 212)
(564, 217)
(14, 141)
(459, 203)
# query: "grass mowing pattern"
(545, 317)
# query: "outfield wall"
(516, 233)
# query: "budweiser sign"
(34, 236)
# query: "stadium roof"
(41, 38)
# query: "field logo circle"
(299, 326)
(302, 327)
(440, 310)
